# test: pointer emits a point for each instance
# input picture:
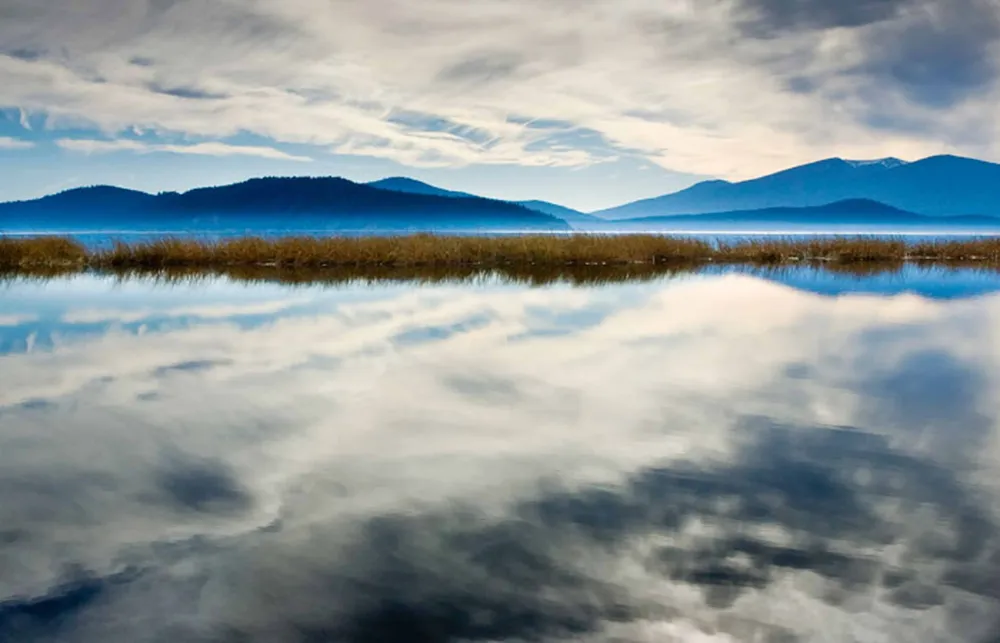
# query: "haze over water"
(725, 456)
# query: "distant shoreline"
(411, 255)
(766, 232)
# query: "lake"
(727, 455)
(105, 238)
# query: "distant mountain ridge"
(937, 186)
(938, 191)
(407, 185)
(413, 186)
(320, 203)
(853, 212)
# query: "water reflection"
(933, 279)
(716, 457)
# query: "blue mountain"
(937, 186)
(856, 214)
(302, 202)
(570, 215)
(412, 186)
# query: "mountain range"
(858, 214)
(296, 203)
(936, 186)
(412, 186)
(940, 191)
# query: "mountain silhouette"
(566, 214)
(315, 203)
(412, 186)
(851, 212)
(938, 186)
(934, 192)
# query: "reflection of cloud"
(210, 311)
(16, 320)
(717, 455)
(8, 143)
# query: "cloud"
(732, 88)
(144, 313)
(710, 456)
(90, 146)
(942, 54)
(8, 143)
(16, 319)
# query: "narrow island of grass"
(417, 254)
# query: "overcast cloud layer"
(732, 88)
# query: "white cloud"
(212, 311)
(16, 320)
(90, 146)
(8, 143)
(24, 119)
(679, 82)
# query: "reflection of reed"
(534, 259)
(469, 275)
(361, 275)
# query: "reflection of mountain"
(857, 213)
(313, 203)
(941, 185)
(927, 282)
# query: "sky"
(588, 103)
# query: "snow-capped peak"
(889, 163)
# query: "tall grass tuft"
(41, 252)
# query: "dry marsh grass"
(41, 252)
(539, 258)
(411, 250)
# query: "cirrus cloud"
(91, 146)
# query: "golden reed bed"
(424, 256)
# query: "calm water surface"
(105, 238)
(726, 456)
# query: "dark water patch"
(191, 366)
(203, 486)
(487, 388)
(456, 576)
(38, 618)
(53, 615)
(917, 596)
(36, 404)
